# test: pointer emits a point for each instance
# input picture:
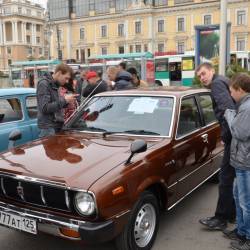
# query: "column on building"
(126, 37)
(24, 32)
(151, 34)
(69, 42)
(4, 32)
(33, 34)
(1, 32)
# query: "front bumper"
(92, 232)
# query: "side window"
(31, 105)
(189, 119)
(207, 109)
(10, 110)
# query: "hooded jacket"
(238, 122)
(50, 103)
(123, 81)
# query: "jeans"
(225, 209)
(242, 202)
(46, 132)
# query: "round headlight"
(85, 203)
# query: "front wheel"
(142, 226)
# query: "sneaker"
(233, 235)
(240, 245)
(214, 223)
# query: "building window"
(121, 50)
(59, 35)
(103, 31)
(104, 50)
(120, 29)
(240, 44)
(138, 27)
(181, 24)
(160, 47)
(38, 28)
(145, 48)
(37, 39)
(160, 25)
(138, 48)
(131, 49)
(82, 33)
(19, 10)
(60, 54)
(77, 55)
(28, 26)
(91, 5)
(38, 13)
(9, 63)
(89, 52)
(207, 19)
(28, 39)
(40, 51)
(180, 47)
(28, 12)
(241, 17)
(29, 51)
(9, 50)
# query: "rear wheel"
(142, 226)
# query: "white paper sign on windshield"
(143, 105)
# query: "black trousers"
(225, 205)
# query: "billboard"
(207, 39)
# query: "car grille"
(36, 193)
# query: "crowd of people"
(55, 109)
(59, 94)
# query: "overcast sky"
(42, 2)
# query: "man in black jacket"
(95, 84)
(50, 103)
(222, 100)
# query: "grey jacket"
(50, 104)
(239, 122)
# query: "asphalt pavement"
(179, 229)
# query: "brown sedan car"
(122, 158)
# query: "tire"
(144, 214)
(158, 83)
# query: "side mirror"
(137, 146)
(13, 137)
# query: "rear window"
(10, 110)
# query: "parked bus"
(28, 73)
(175, 69)
(143, 62)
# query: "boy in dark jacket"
(50, 103)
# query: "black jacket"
(92, 89)
(222, 100)
(50, 104)
(123, 81)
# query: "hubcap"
(145, 225)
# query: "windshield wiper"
(95, 129)
(144, 132)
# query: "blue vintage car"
(18, 111)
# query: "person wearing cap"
(95, 84)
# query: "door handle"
(205, 138)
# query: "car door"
(31, 112)
(190, 149)
(12, 116)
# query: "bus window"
(188, 63)
(161, 65)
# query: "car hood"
(73, 159)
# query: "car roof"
(177, 91)
(17, 91)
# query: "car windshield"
(137, 115)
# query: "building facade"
(80, 29)
(21, 32)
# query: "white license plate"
(18, 222)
